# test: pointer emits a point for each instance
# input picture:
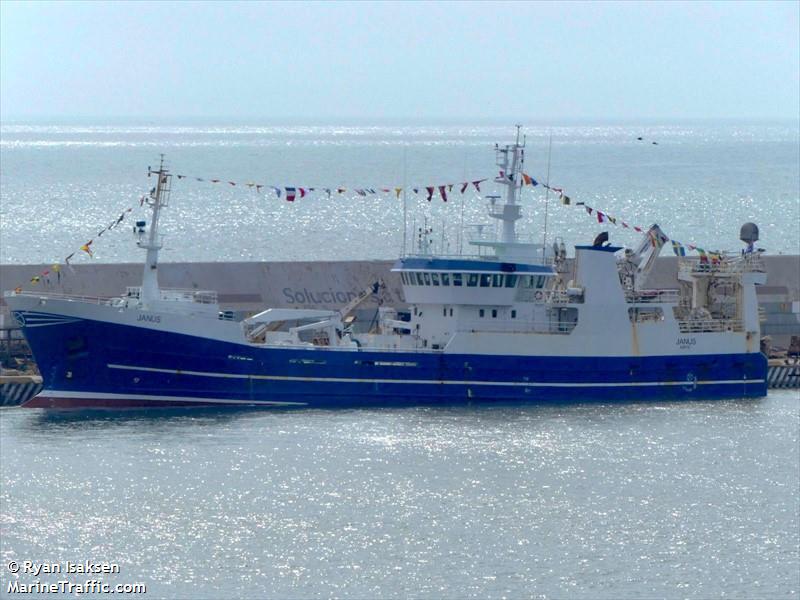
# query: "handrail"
(711, 325)
(177, 295)
(745, 263)
(664, 296)
(63, 296)
(541, 296)
(516, 326)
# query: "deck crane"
(333, 325)
(641, 260)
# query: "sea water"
(650, 500)
(61, 184)
(695, 499)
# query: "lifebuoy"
(539, 295)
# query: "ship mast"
(151, 241)
(510, 159)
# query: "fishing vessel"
(515, 323)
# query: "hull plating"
(96, 364)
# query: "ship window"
(444, 311)
(419, 279)
(427, 278)
(445, 279)
(481, 313)
(451, 312)
(486, 280)
(527, 281)
(457, 279)
(472, 280)
(540, 281)
(494, 313)
(511, 281)
(435, 278)
(403, 277)
(513, 314)
(497, 280)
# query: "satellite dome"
(749, 233)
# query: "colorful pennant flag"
(678, 248)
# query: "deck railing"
(178, 295)
(541, 296)
(62, 296)
(667, 296)
(516, 326)
(711, 325)
(729, 264)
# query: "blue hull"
(94, 364)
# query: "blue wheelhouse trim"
(468, 266)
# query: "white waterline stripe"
(433, 382)
(101, 395)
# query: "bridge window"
(472, 280)
(419, 279)
(486, 280)
(497, 281)
(435, 279)
(481, 313)
(511, 281)
(427, 278)
(445, 278)
(513, 314)
(533, 281)
(457, 279)
(494, 313)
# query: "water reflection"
(46, 422)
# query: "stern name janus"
(68, 567)
(149, 318)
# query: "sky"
(410, 60)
